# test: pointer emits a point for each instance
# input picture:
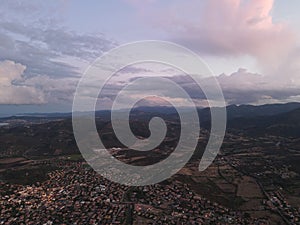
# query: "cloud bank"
(12, 93)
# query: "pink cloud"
(223, 27)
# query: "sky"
(252, 47)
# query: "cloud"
(223, 27)
(42, 49)
(46, 58)
(233, 28)
(240, 87)
(35, 11)
(12, 93)
(243, 87)
(40, 59)
(16, 89)
(55, 91)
